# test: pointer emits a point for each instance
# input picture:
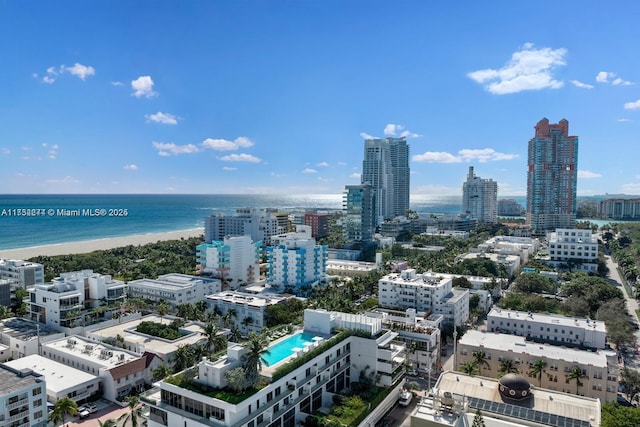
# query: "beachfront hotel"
(174, 288)
(303, 373)
(258, 224)
(23, 399)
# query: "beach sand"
(98, 244)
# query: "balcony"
(17, 404)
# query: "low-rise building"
(121, 371)
(21, 274)
(23, 337)
(350, 268)
(62, 380)
(324, 364)
(573, 248)
(457, 397)
(511, 263)
(174, 288)
(424, 294)
(23, 398)
(550, 328)
(600, 369)
(524, 247)
(244, 310)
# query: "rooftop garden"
(168, 331)
(224, 394)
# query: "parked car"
(83, 412)
(405, 398)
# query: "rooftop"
(254, 300)
(59, 377)
(519, 345)
(12, 381)
(554, 319)
(163, 284)
(91, 351)
(23, 329)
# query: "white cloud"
(408, 134)
(528, 69)
(5, 150)
(117, 83)
(130, 167)
(624, 120)
(226, 145)
(620, 82)
(603, 76)
(355, 175)
(391, 129)
(48, 79)
(465, 155)
(631, 188)
(241, 158)
(229, 168)
(588, 174)
(166, 149)
(143, 86)
(632, 105)
(322, 164)
(164, 118)
(365, 135)
(309, 170)
(342, 163)
(578, 83)
(66, 180)
(52, 151)
(80, 71)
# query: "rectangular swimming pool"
(284, 349)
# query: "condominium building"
(386, 168)
(258, 224)
(21, 274)
(480, 198)
(235, 261)
(174, 288)
(121, 372)
(575, 248)
(425, 294)
(509, 207)
(345, 268)
(300, 380)
(65, 301)
(23, 398)
(62, 380)
(600, 369)
(619, 208)
(523, 247)
(549, 328)
(295, 260)
(243, 310)
(319, 223)
(552, 177)
(359, 223)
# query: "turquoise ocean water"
(150, 213)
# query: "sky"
(259, 97)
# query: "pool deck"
(269, 370)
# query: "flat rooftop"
(59, 377)
(91, 351)
(11, 382)
(255, 300)
(477, 391)
(24, 330)
(163, 284)
(551, 319)
(519, 345)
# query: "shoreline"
(86, 246)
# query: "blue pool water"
(284, 349)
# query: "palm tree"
(256, 346)
(162, 310)
(135, 412)
(537, 369)
(480, 359)
(226, 318)
(469, 367)
(183, 358)
(215, 340)
(161, 372)
(235, 335)
(577, 374)
(108, 423)
(61, 409)
(507, 367)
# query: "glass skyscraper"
(552, 177)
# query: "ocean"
(34, 220)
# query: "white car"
(405, 398)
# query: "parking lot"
(105, 410)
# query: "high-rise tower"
(480, 198)
(386, 168)
(552, 177)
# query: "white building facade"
(577, 248)
(248, 221)
(21, 274)
(236, 260)
(408, 289)
(480, 198)
(248, 310)
(174, 289)
(23, 398)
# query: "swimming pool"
(284, 349)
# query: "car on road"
(85, 410)
(405, 398)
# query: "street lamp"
(455, 351)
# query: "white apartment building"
(23, 398)
(551, 328)
(480, 198)
(492, 284)
(62, 380)
(248, 309)
(236, 260)
(294, 260)
(258, 224)
(121, 372)
(524, 247)
(350, 268)
(424, 293)
(65, 301)
(21, 274)
(22, 337)
(308, 379)
(174, 288)
(601, 367)
(511, 263)
(576, 248)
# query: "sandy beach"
(98, 244)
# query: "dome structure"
(514, 386)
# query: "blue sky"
(277, 96)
